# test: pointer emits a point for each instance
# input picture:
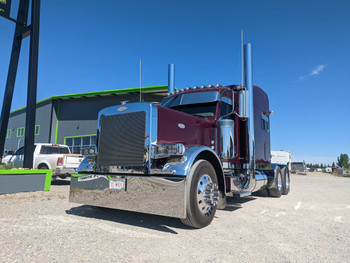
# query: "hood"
(179, 127)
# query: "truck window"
(20, 151)
(202, 110)
(225, 110)
(54, 150)
(264, 123)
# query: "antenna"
(140, 81)
(242, 65)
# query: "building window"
(77, 144)
(20, 132)
(8, 133)
(37, 129)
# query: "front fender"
(182, 168)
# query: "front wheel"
(201, 195)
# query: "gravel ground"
(311, 224)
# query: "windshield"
(202, 110)
(298, 166)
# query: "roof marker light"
(182, 89)
(218, 85)
(187, 88)
(210, 86)
(195, 87)
(203, 87)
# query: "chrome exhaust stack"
(171, 78)
(249, 110)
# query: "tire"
(43, 166)
(276, 190)
(286, 180)
(201, 195)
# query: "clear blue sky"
(301, 57)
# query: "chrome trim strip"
(158, 171)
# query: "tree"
(333, 165)
(343, 160)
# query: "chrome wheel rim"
(207, 195)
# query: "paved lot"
(311, 224)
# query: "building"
(72, 119)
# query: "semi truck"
(184, 157)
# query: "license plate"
(117, 184)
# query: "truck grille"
(122, 140)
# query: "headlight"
(167, 150)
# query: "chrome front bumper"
(146, 194)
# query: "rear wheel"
(201, 195)
(286, 180)
(276, 190)
(43, 166)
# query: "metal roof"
(156, 90)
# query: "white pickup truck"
(50, 156)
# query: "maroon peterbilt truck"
(184, 157)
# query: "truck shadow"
(154, 222)
(234, 203)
